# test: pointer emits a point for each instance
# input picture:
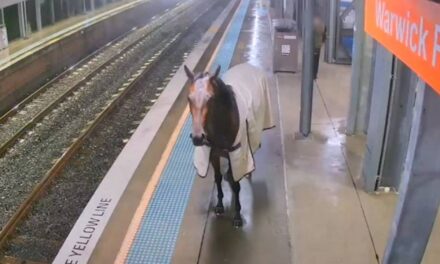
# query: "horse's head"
(201, 91)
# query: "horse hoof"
(238, 222)
(219, 210)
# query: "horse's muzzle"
(198, 141)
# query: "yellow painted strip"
(151, 187)
(154, 181)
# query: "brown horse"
(215, 123)
(229, 116)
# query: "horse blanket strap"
(250, 86)
(225, 152)
(234, 148)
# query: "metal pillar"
(52, 11)
(300, 17)
(361, 75)
(296, 12)
(307, 76)
(38, 14)
(399, 125)
(22, 19)
(381, 92)
(2, 14)
(331, 28)
(419, 192)
(92, 5)
(69, 9)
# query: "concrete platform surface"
(304, 203)
(332, 220)
(264, 238)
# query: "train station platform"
(304, 203)
(21, 48)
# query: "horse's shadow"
(222, 239)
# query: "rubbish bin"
(285, 55)
(3, 37)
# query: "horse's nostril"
(197, 141)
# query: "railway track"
(135, 80)
(25, 115)
(76, 143)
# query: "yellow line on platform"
(151, 187)
(154, 181)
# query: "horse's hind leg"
(235, 186)
(219, 208)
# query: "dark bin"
(285, 55)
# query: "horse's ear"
(217, 72)
(189, 73)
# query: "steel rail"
(136, 79)
(61, 162)
(40, 115)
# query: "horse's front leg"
(235, 186)
(219, 208)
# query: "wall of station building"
(22, 18)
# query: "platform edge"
(129, 160)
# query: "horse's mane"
(223, 118)
(222, 91)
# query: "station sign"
(410, 29)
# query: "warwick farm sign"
(411, 30)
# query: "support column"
(296, 11)
(300, 17)
(84, 6)
(38, 14)
(69, 9)
(361, 77)
(307, 73)
(92, 5)
(52, 11)
(2, 14)
(22, 19)
(381, 92)
(332, 24)
(419, 198)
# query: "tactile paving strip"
(157, 235)
(156, 238)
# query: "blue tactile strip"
(156, 238)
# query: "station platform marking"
(154, 230)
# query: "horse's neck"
(223, 118)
